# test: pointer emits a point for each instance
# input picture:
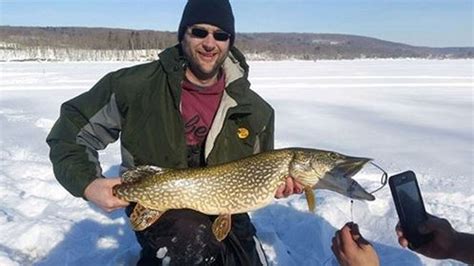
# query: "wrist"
(454, 245)
(460, 249)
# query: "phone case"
(409, 205)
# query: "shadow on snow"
(92, 243)
(294, 237)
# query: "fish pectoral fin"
(143, 217)
(308, 191)
(141, 172)
(221, 226)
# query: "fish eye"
(333, 156)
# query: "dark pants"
(184, 237)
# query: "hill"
(80, 43)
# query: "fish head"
(329, 170)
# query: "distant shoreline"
(248, 60)
(90, 44)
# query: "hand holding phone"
(410, 208)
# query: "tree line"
(305, 46)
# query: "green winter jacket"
(141, 105)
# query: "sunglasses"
(221, 36)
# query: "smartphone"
(410, 208)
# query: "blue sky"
(437, 23)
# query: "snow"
(405, 113)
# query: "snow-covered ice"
(405, 113)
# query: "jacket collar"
(173, 60)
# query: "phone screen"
(411, 205)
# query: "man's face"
(205, 54)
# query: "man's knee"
(188, 222)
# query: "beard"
(204, 73)
(202, 69)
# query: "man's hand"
(443, 242)
(100, 193)
(291, 186)
(351, 249)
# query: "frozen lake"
(406, 114)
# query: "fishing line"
(352, 210)
(383, 179)
(383, 182)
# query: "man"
(191, 108)
(351, 249)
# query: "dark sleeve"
(87, 123)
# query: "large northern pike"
(237, 187)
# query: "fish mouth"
(356, 191)
(346, 170)
(349, 167)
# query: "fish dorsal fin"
(141, 172)
(143, 217)
(308, 191)
(221, 226)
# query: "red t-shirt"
(198, 108)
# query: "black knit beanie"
(214, 12)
